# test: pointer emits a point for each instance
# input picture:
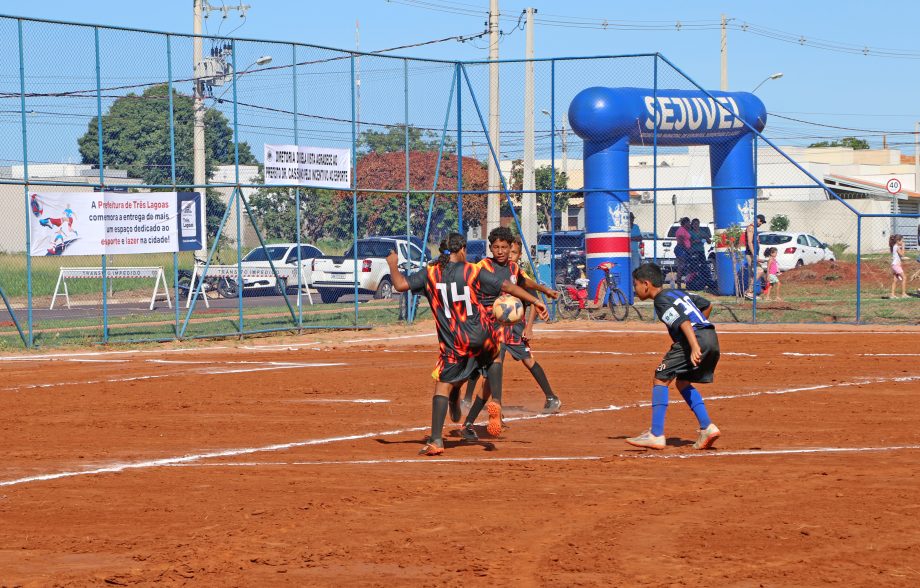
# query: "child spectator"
(772, 273)
(896, 244)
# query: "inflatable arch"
(610, 119)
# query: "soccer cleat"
(432, 448)
(553, 405)
(468, 433)
(648, 441)
(453, 403)
(707, 437)
(494, 427)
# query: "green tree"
(325, 214)
(779, 222)
(394, 139)
(851, 142)
(135, 137)
(543, 180)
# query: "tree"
(325, 214)
(135, 137)
(543, 181)
(851, 142)
(394, 139)
(779, 222)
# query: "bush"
(779, 222)
(838, 249)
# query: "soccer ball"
(507, 309)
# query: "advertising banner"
(316, 167)
(111, 223)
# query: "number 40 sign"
(894, 186)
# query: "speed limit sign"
(894, 186)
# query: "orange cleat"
(494, 427)
(432, 448)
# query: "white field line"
(53, 356)
(346, 400)
(890, 354)
(266, 366)
(482, 460)
(794, 354)
(279, 346)
(375, 339)
(99, 360)
(168, 461)
(727, 332)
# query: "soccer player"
(454, 289)
(692, 358)
(501, 240)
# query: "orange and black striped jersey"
(510, 271)
(455, 293)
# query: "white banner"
(317, 167)
(111, 223)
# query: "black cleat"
(468, 433)
(553, 405)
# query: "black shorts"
(455, 370)
(676, 362)
(518, 350)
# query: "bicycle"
(224, 286)
(573, 299)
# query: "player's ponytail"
(452, 244)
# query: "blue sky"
(828, 87)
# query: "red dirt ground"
(342, 499)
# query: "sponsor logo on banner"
(697, 115)
(618, 215)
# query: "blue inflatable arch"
(609, 120)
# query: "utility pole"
(201, 74)
(565, 152)
(917, 159)
(493, 208)
(529, 199)
(724, 85)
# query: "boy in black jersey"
(454, 289)
(501, 242)
(692, 358)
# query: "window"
(813, 242)
(309, 251)
(260, 254)
(773, 239)
(802, 240)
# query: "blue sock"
(659, 407)
(695, 402)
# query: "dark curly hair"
(452, 244)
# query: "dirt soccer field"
(293, 462)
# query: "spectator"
(750, 254)
(896, 244)
(682, 247)
(773, 282)
(698, 271)
(635, 239)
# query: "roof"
(863, 187)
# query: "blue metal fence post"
(239, 195)
(172, 166)
(858, 268)
(297, 193)
(354, 182)
(552, 192)
(459, 158)
(408, 296)
(25, 185)
(105, 301)
(753, 270)
(655, 167)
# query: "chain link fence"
(435, 147)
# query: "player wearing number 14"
(692, 358)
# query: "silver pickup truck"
(334, 275)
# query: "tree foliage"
(394, 139)
(543, 181)
(851, 142)
(779, 222)
(135, 137)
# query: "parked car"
(334, 275)
(794, 249)
(476, 250)
(566, 242)
(665, 245)
(282, 255)
(415, 240)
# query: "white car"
(794, 249)
(284, 257)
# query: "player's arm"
(686, 328)
(707, 311)
(400, 283)
(526, 296)
(528, 325)
(703, 304)
(532, 284)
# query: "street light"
(264, 60)
(775, 76)
(565, 153)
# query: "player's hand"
(541, 310)
(392, 259)
(552, 294)
(528, 333)
(695, 355)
